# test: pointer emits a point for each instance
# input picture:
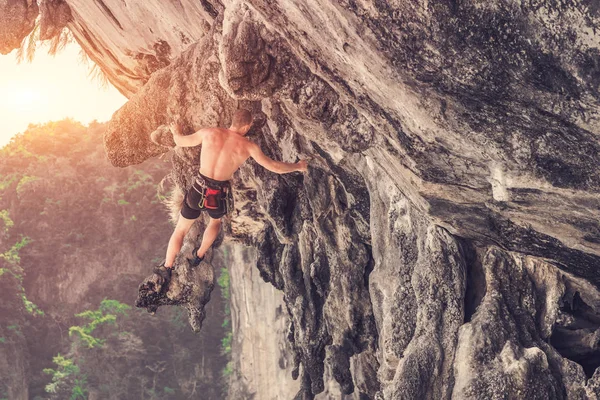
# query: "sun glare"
(27, 100)
(50, 89)
(23, 101)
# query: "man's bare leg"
(181, 229)
(210, 234)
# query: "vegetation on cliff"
(76, 236)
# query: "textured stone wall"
(260, 351)
(445, 242)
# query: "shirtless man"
(222, 153)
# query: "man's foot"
(164, 273)
(194, 262)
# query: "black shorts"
(194, 198)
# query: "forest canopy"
(77, 235)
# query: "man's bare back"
(223, 151)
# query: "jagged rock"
(247, 60)
(173, 92)
(417, 290)
(445, 242)
(132, 41)
(504, 348)
(54, 16)
(188, 287)
(390, 190)
(18, 20)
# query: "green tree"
(106, 314)
(66, 379)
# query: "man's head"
(241, 122)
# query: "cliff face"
(261, 355)
(445, 242)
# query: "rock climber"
(223, 152)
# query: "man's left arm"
(181, 140)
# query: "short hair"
(241, 117)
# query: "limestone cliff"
(445, 242)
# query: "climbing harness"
(214, 195)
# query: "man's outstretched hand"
(175, 128)
(302, 165)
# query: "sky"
(49, 89)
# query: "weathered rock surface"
(445, 242)
(188, 287)
(18, 20)
(506, 343)
(54, 17)
(262, 354)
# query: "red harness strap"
(212, 198)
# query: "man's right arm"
(182, 140)
(275, 166)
